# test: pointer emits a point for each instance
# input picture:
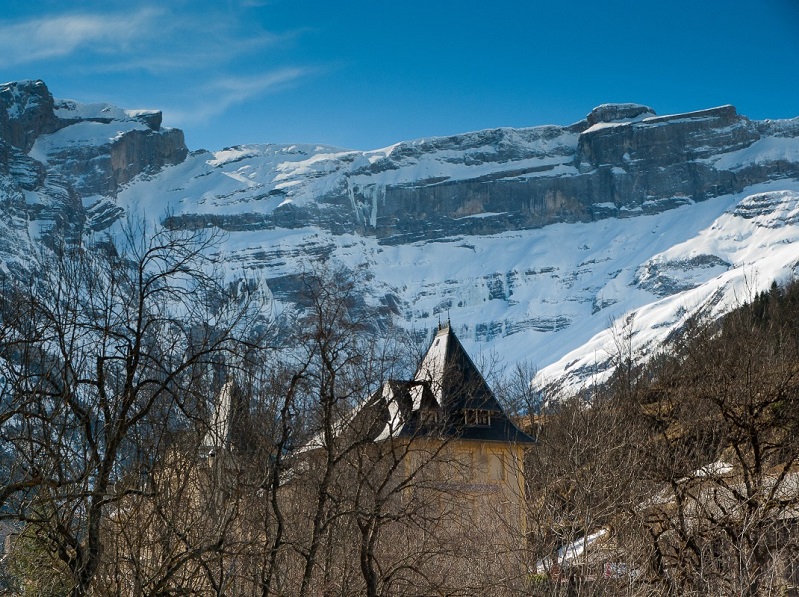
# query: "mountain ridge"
(532, 239)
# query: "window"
(476, 417)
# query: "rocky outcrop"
(24, 171)
(665, 278)
(96, 148)
(103, 169)
(627, 162)
(145, 151)
(26, 112)
(665, 140)
(55, 153)
(618, 113)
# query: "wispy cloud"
(194, 59)
(221, 94)
(157, 40)
(238, 89)
(60, 36)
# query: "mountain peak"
(26, 111)
(618, 112)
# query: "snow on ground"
(759, 249)
(571, 552)
(72, 110)
(549, 296)
(768, 149)
(81, 134)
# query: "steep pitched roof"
(448, 396)
(453, 378)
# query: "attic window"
(477, 418)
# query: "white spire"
(218, 435)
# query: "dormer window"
(474, 417)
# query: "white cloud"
(237, 89)
(152, 39)
(222, 93)
(58, 36)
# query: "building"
(418, 490)
(479, 452)
(422, 484)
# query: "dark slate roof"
(447, 383)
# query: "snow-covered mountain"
(533, 241)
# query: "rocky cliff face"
(98, 148)
(530, 239)
(620, 161)
(62, 163)
(636, 164)
(26, 111)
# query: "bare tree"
(100, 356)
(341, 365)
(709, 431)
(735, 511)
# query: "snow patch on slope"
(81, 134)
(756, 237)
(768, 149)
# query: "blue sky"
(364, 75)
